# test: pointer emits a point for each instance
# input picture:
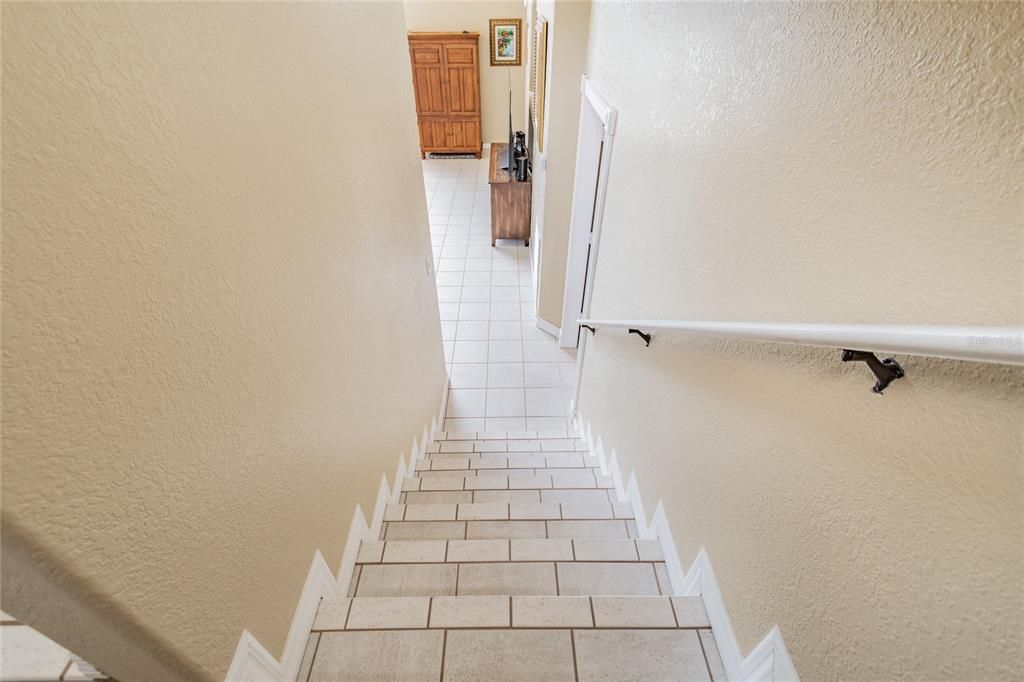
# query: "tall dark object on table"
(510, 197)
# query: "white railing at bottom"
(1002, 345)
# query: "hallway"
(506, 374)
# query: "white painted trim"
(1004, 345)
(610, 117)
(769, 661)
(320, 584)
(547, 327)
(252, 662)
(582, 256)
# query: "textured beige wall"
(219, 327)
(495, 81)
(837, 163)
(568, 24)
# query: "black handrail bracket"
(886, 371)
(645, 337)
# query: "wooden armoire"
(446, 78)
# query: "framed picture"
(506, 42)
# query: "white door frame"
(583, 236)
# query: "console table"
(510, 200)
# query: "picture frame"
(506, 42)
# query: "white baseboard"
(769, 661)
(548, 328)
(252, 662)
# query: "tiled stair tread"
(566, 578)
(559, 495)
(504, 611)
(548, 654)
(485, 446)
(480, 461)
(512, 480)
(534, 471)
(499, 511)
(505, 435)
(543, 549)
(549, 452)
(495, 530)
(554, 495)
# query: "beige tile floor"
(506, 374)
(508, 556)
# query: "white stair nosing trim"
(769, 661)
(357, 531)
(252, 662)
(320, 584)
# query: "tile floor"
(506, 374)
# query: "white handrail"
(1003, 345)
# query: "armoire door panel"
(434, 133)
(429, 91)
(428, 77)
(462, 85)
(455, 55)
(426, 53)
(462, 73)
(464, 133)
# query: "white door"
(592, 155)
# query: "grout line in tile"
(593, 615)
(356, 591)
(707, 664)
(348, 610)
(675, 616)
(657, 581)
(444, 650)
(575, 667)
(316, 650)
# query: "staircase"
(509, 558)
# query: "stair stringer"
(252, 662)
(769, 661)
